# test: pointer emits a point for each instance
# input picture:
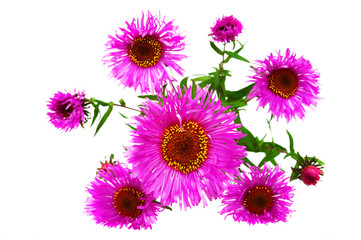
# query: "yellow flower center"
(283, 82)
(185, 148)
(145, 51)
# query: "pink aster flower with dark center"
(118, 199)
(262, 196)
(185, 149)
(68, 110)
(226, 29)
(143, 54)
(287, 84)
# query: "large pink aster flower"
(67, 110)
(143, 53)
(262, 197)
(185, 149)
(118, 199)
(286, 83)
(226, 29)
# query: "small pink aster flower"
(118, 199)
(263, 196)
(185, 148)
(310, 175)
(67, 110)
(310, 170)
(143, 54)
(286, 83)
(226, 29)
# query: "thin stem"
(118, 105)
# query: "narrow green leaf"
(292, 150)
(123, 115)
(150, 97)
(233, 95)
(104, 118)
(215, 48)
(131, 127)
(96, 112)
(248, 161)
(194, 90)
(236, 56)
(104, 104)
(202, 79)
(269, 157)
(183, 84)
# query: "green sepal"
(293, 174)
(105, 117)
(215, 48)
(292, 150)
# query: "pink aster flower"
(67, 110)
(143, 54)
(263, 196)
(286, 83)
(310, 170)
(185, 148)
(118, 199)
(226, 29)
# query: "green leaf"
(248, 161)
(236, 56)
(205, 83)
(202, 79)
(235, 104)
(150, 97)
(123, 115)
(104, 118)
(292, 150)
(104, 104)
(215, 48)
(131, 127)
(183, 83)
(96, 112)
(234, 95)
(194, 90)
(269, 157)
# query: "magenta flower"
(67, 110)
(226, 29)
(143, 54)
(263, 196)
(185, 149)
(118, 199)
(287, 84)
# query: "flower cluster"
(188, 143)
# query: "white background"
(47, 46)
